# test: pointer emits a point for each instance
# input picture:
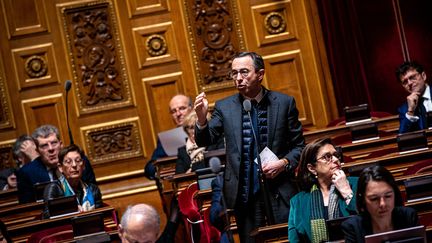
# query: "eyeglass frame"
(244, 73)
(413, 77)
(328, 159)
(78, 161)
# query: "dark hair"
(68, 149)
(375, 173)
(406, 66)
(16, 148)
(305, 179)
(256, 58)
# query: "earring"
(316, 176)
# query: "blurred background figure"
(379, 203)
(140, 223)
(326, 193)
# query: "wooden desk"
(272, 233)
(165, 168)
(21, 213)
(20, 232)
(389, 124)
(8, 198)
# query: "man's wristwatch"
(287, 165)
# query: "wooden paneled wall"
(127, 58)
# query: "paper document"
(266, 155)
(172, 139)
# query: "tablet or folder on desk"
(90, 228)
(62, 206)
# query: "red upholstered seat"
(55, 234)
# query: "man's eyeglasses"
(179, 109)
(328, 157)
(413, 77)
(244, 72)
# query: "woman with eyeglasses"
(71, 166)
(191, 157)
(379, 203)
(326, 193)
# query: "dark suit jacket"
(150, 169)
(299, 227)
(285, 139)
(35, 172)
(356, 228)
(406, 125)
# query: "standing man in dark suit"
(275, 120)
(413, 113)
(44, 168)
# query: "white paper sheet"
(172, 139)
(266, 156)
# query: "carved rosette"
(111, 142)
(274, 23)
(216, 37)
(36, 66)
(96, 55)
(156, 45)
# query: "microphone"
(247, 106)
(215, 165)
(68, 85)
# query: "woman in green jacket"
(326, 193)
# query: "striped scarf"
(318, 226)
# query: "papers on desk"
(266, 156)
(172, 139)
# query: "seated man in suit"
(179, 106)
(23, 151)
(413, 113)
(44, 167)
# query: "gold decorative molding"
(155, 44)
(137, 8)
(112, 141)
(215, 36)
(6, 159)
(35, 65)
(274, 22)
(96, 55)
(6, 115)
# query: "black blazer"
(285, 139)
(357, 227)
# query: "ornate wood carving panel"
(292, 81)
(44, 110)
(6, 159)
(35, 65)
(107, 142)
(96, 54)
(159, 91)
(6, 114)
(274, 22)
(142, 7)
(215, 36)
(155, 44)
(25, 17)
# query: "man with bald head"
(140, 223)
(179, 106)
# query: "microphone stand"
(262, 180)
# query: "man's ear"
(261, 74)
(60, 167)
(120, 231)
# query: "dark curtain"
(364, 47)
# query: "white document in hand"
(172, 139)
(266, 156)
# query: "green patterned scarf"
(318, 226)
